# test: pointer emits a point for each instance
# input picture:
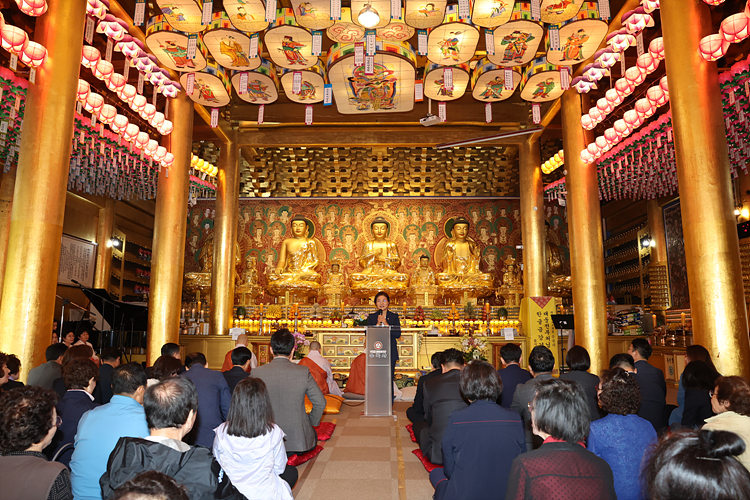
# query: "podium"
(378, 399)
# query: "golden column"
(657, 233)
(7, 185)
(586, 249)
(225, 236)
(532, 220)
(170, 224)
(717, 300)
(104, 250)
(39, 196)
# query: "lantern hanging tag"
(308, 114)
(359, 54)
(448, 79)
(208, 12)
(623, 67)
(327, 94)
(604, 12)
(243, 83)
(442, 113)
(254, 45)
(296, 82)
(110, 48)
(79, 107)
(463, 9)
(317, 42)
(395, 9)
(126, 69)
(271, 11)
(369, 65)
(166, 107)
(508, 84)
(536, 113)
(488, 112)
(192, 46)
(554, 37)
(140, 12)
(565, 78)
(422, 42)
(156, 94)
(140, 82)
(13, 62)
(489, 41)
(370, 42)
(190, 87)
(639, 44)
(419, 91)
(335, 10)
(89, 33)
(32, 75)
(536, 10)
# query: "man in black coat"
(511, 373)
(653, 400)
(541, 364)
(415, 413)
(110, 360)
(241, 360)
(641, 350)
(213, 399)
(442, 395)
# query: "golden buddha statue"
(422, 285)
(461, 276)
(511, 290)
(379, 260)
(201, 281)
(558, 283)
(248, 283)
(298, 259)
(335, 288)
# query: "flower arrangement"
(473, 348)
(299, 342)
(419, 314)
(436, 314)
(335, 315)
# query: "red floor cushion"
(427, 464)
(300, 459)
(325, 430)
(410, 428)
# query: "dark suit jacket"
(395, 324)
(652, 402)
(697, 407)
(105, 381)
(213, 404)
(70, 409)
(589, 382)
(651, 373)
(234, 376)
(11, 384)
(416, 412)
(59, 387)
(44, 375)
(511, 376)
(441, 397)
(524, 394)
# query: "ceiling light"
(368, 17)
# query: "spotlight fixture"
(113, 242)
(745, 213)
(737, 211)
(646, 242)
(368, 16)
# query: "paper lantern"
(13, 39)
(168, 160)
(650, 5)
(129, 46)
(141, 139)
(83, 91)
(516, 42)
(157, 78)
(587, 122)
(114, 28)
(714, 3)
(247, 15)
(644, 107)
(212, 87)
(148, 111)
(151, 147)
(595, 72)
(289, 45)
(604, 106)
(601, 142)
(596, 114)
(119, 124)
(263, 83)
(622, 128)
(664, 84)
(611, 135)
(646, 63)
(454, 41)
(735, 28)
(586, 157)
(183, 15)
(624, 87)
(488, 82)
(96, 8)
(634, 75)
(582, 85)
(90, 56)
(34, 55)
(170, 47)
(94, 103)
(33, 8)
(620, 40)
(556, 11)
(311, 14)
(138, 103)
(231, 48)
(127, 93)
(396, 31)
(103, 70)
(116, 82)
(656, 48)
(157, 119)
(637, 20)
(166, 128)
(656, 96)
(541, 82)
(169, 89)
(131, 132)
(631, 118)
(146, 63)
(312, 83)
(579, 38)
(107, 114)
(435, 88)
(613, 97)
(344, 30)
(161, 153)
(422, 15)
(607, 57)
(490, 13)
(593, 149)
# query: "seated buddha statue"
(298, 259)
(200, 281)
(461, 273)
(335, 288)
(380, 260)
(248, 282)
(511, 290)
(422, 283)
(558, 283)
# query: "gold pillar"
(717, 300)
(657, 233)
(532, 220)
(225, 236)
(104, 250)
(586, 249)
(39, 196)
(7, 185)
(170, 224)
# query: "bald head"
(314, 345)
(241, 340)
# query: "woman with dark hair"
(622, 437)
(693, 464)
(473, 468)
(4, 371)
(384, 317)
(164, 367)
(693, 352)
(28, 421)
(699, 379)
(249, 446)
(76, 352)
(730, 400)
(579, 362)
(562, 468)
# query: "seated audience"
(110, 360)
(318, 373)
(473, 468)
(541, 364)
(653, 401)
(151, 485)
(693, 352)
(171, 409)
(241, 358)
(579, 362)
(213, 399)
(69, 338)
(562, 468)
(101, 428)
(249, 446)
(82, 338)
(511, 373)
(28, 420)
(287, 385)
(80, 377)
(72, 354)
(442, 396)
(4, 371)
(699, 380)
(622, 437)
(164, 367)
(44, 375)
(315, 360)
(641, 350)
(355, 384)
(730, 400)
(13, 366)
(415, 413)
(172, 350)
(240, 342)
(692, 464)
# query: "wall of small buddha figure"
(342, 227)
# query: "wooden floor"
(366, 459)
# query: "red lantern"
(131, 132)
(166, 128)
(656, 48)
(107, 114)
(735, 28)
(634, 75)
(656, 96)
(646, 63)
(624, 87)
(116, 82)
(34, 55)
(94, 103)
(644, 107)
(587, 122)
(148, 111)
(119, 124)
(103, 70)
(157, 119)
(13, 39)
(83, 91)
(90, 56)
(613, 97)
(713, 47)
(611, 135)
(622, 128)
(33, 8)
(596, 114)
(127, 93)
(604, 106)
(138, 103)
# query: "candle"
(453, 310)
(653, 319)
(683, 319)
(404, 308)
(261, 308)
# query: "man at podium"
(384, 317)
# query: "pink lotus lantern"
(735, 28)
(650, 5)
(34, 55)
(587, 123)
(604, 106)
(622, 128)
(131, 132)
(656, 48)
(620, 40)
(90, 56)
(601, 142)
(607, 57)
(145, 64)
(129, 46)
(664, 84)
(624, 87)
(656, 96)
(116, 82)
(157, 78)
(150, 148)
(596, 114)
(646, 63)
(138, 103)
(613, 97)
(33, 8)
(634, 75)
(595, 72)
(644, 107)
(637, 20)
(713, 47)
(94, 103)
(166, 128)
(586, 157)
(168, 160)
(141, 140)
(157, 119)
(83, 91)
(119, 124)
(13, 39)
(593, 149)
(107, 114)
(631, 118)
(103, 70)
(97, 9)
(148, 111)
(114, 28)
(161, 153)
(169, 89)
(127, 93)
(611, 135)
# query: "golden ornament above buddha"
(380, 260)
(460, 259)
(298, 259)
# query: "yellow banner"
(536, 314)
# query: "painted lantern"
(424, 14)
(453, 42)
(211, 87)
(345, 31)
(182, 15)
(517, 41)
(557, 11)
(262, 84)
(313, 14)
(488, 81)
(434, 82)
(311, 87)
(289, 45)
(579, 38)
(170, 46)
(541, 82)
(396, 31)
(247, 15)
(229, 47)
(491, 13)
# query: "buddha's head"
(299, 227)
(380, 228)
(424, 262)
(460, 228)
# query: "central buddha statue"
(335, 288)
(558, 283)
(298, 259)
(380, 260)
(461, 275)
(422, 284)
